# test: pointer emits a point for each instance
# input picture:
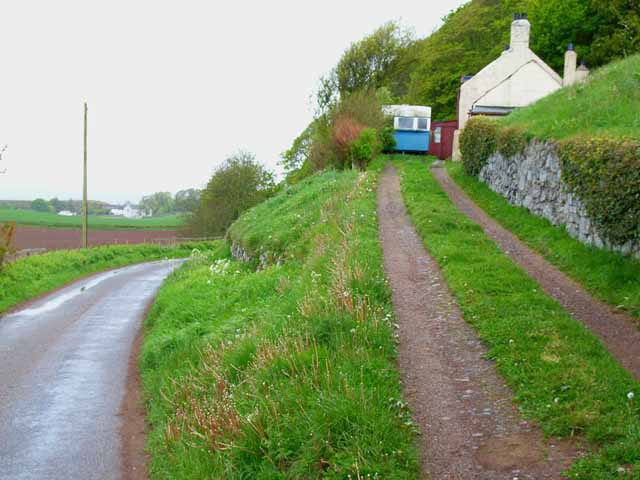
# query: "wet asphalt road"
(63, 367)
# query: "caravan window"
(405, 123)
(423, 124)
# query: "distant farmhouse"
(66, 213)
(515, 79)
(128, 211)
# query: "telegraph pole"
(85, 206)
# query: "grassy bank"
(285, 371)
(560, 373)
(609, 276)
(608, 103)
(96, 222)
(31, 276)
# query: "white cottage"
(515, 79)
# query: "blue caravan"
(411, 125)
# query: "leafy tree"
(186, 201)
(237, 185)
(40, 205)
(300, 150)
(158, 203)
(366, 64)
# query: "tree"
(40, 205)
(366, 64)
(186, 201)
(158, 203)
(237, 185)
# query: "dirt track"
(617, 330)
(64, 238)
(471, 428)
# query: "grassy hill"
(282, 367)
(44, 219)
(608, 103)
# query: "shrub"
(604, 172)
(7, 232)
(365, 148)
(477, 144)
(344, 132)
(387, 140)
(511, 141)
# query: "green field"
(40, 219)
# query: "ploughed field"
(61, 238)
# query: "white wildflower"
(631, 395)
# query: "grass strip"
(560, 373)
(609, 276)
(286, 370)
(29, 277)
(96, 222)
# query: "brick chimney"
(570, 63)
(520, 32)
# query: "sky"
(173, 87)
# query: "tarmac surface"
(63, 367)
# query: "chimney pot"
(570, 47)
(516, 16)
(523, 16)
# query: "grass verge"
(560, 373)
(609, 276)
(29, 277)
(96, 222)
(286, 370)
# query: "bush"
(477, 143)
(7, 232)
(344, 132)
(604, 172)
(387, 140)
(237, 185)
(511, 141)
(365, 148)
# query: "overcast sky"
(173, 87)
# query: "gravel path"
(618, 331)
(470, 426)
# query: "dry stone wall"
(533, 180)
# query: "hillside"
(608, 103)
(286, 370)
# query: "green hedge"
(478, 141)
(603, 172)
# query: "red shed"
(441, 144)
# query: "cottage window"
(437, 134)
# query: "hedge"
(603, 172)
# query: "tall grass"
(287, 371)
